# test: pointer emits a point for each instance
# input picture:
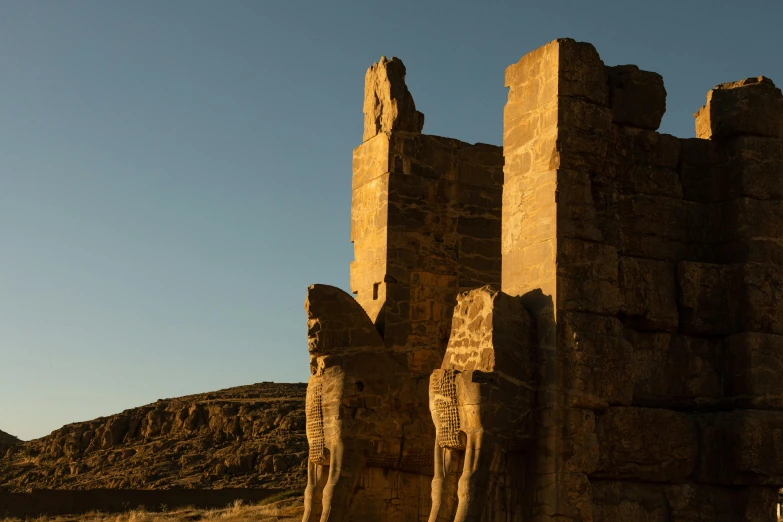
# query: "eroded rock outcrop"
(250, 436)
(6, 441)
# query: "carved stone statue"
(359, 403)
(481, 400)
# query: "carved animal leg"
(313, 496)
(437, 484)
(344, 470)
(444, 484)
(472, 490)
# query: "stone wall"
(425, 223)
(629, 367)
(662, 260)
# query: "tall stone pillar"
(556, 123)
(651, 266)
(425, 223)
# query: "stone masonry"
(585, 325)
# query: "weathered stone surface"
(6, 441)
(742, 447)
(753, 106)
(675, 371)
(649, 294)
(653, 227)
(649, 271)
(761, 298)
(645, 502)
(481, 400)
(388, 105)
(587, 277)
(734, 167)
(646, 444)
(637, 98)
(597, 359)
(754, 370)
(244, 437)
(708, 298)
(361, 406)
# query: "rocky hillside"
(6, 441)
(249, 436)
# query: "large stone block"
(742, 447)
(531, 268)
(645, 502)
(649, 294)
(631, 145)
(576, 211)
(480, 165)
(708, 298)
(597, 360)
(582, 72)
(583, 131)
(754, 370)
(726, 299)
(575, 66)
(753, 106)
(637, 98)
(675, 371)
(761, 305)
(529, 210)
(371, 159)
(587, 277)
(646, 444)
(714, 171)
(653, 227)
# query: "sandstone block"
(583, 130)
(576, 212)
(761, 306)
(731, 168)
(587, 277)
(652, 227)
(753, 106)
(631, 145)
(754, 370)
(581, 443)
(675, 371)
(648, 180)
(529, 210)
(597, 359)
(637, 98)
(646, 444)
(645, 502)
(742, 447)
(649, 293)
(708, 298)
(371, 159)
(575, 66)
(582, 72)
(480, 165)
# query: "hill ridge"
(245, 436)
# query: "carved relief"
(481, 403)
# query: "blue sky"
(173, 175)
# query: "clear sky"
(173, 175)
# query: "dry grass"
(270, 510)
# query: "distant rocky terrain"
(249, 436)
(6, 441)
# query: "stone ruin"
(583, 325)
